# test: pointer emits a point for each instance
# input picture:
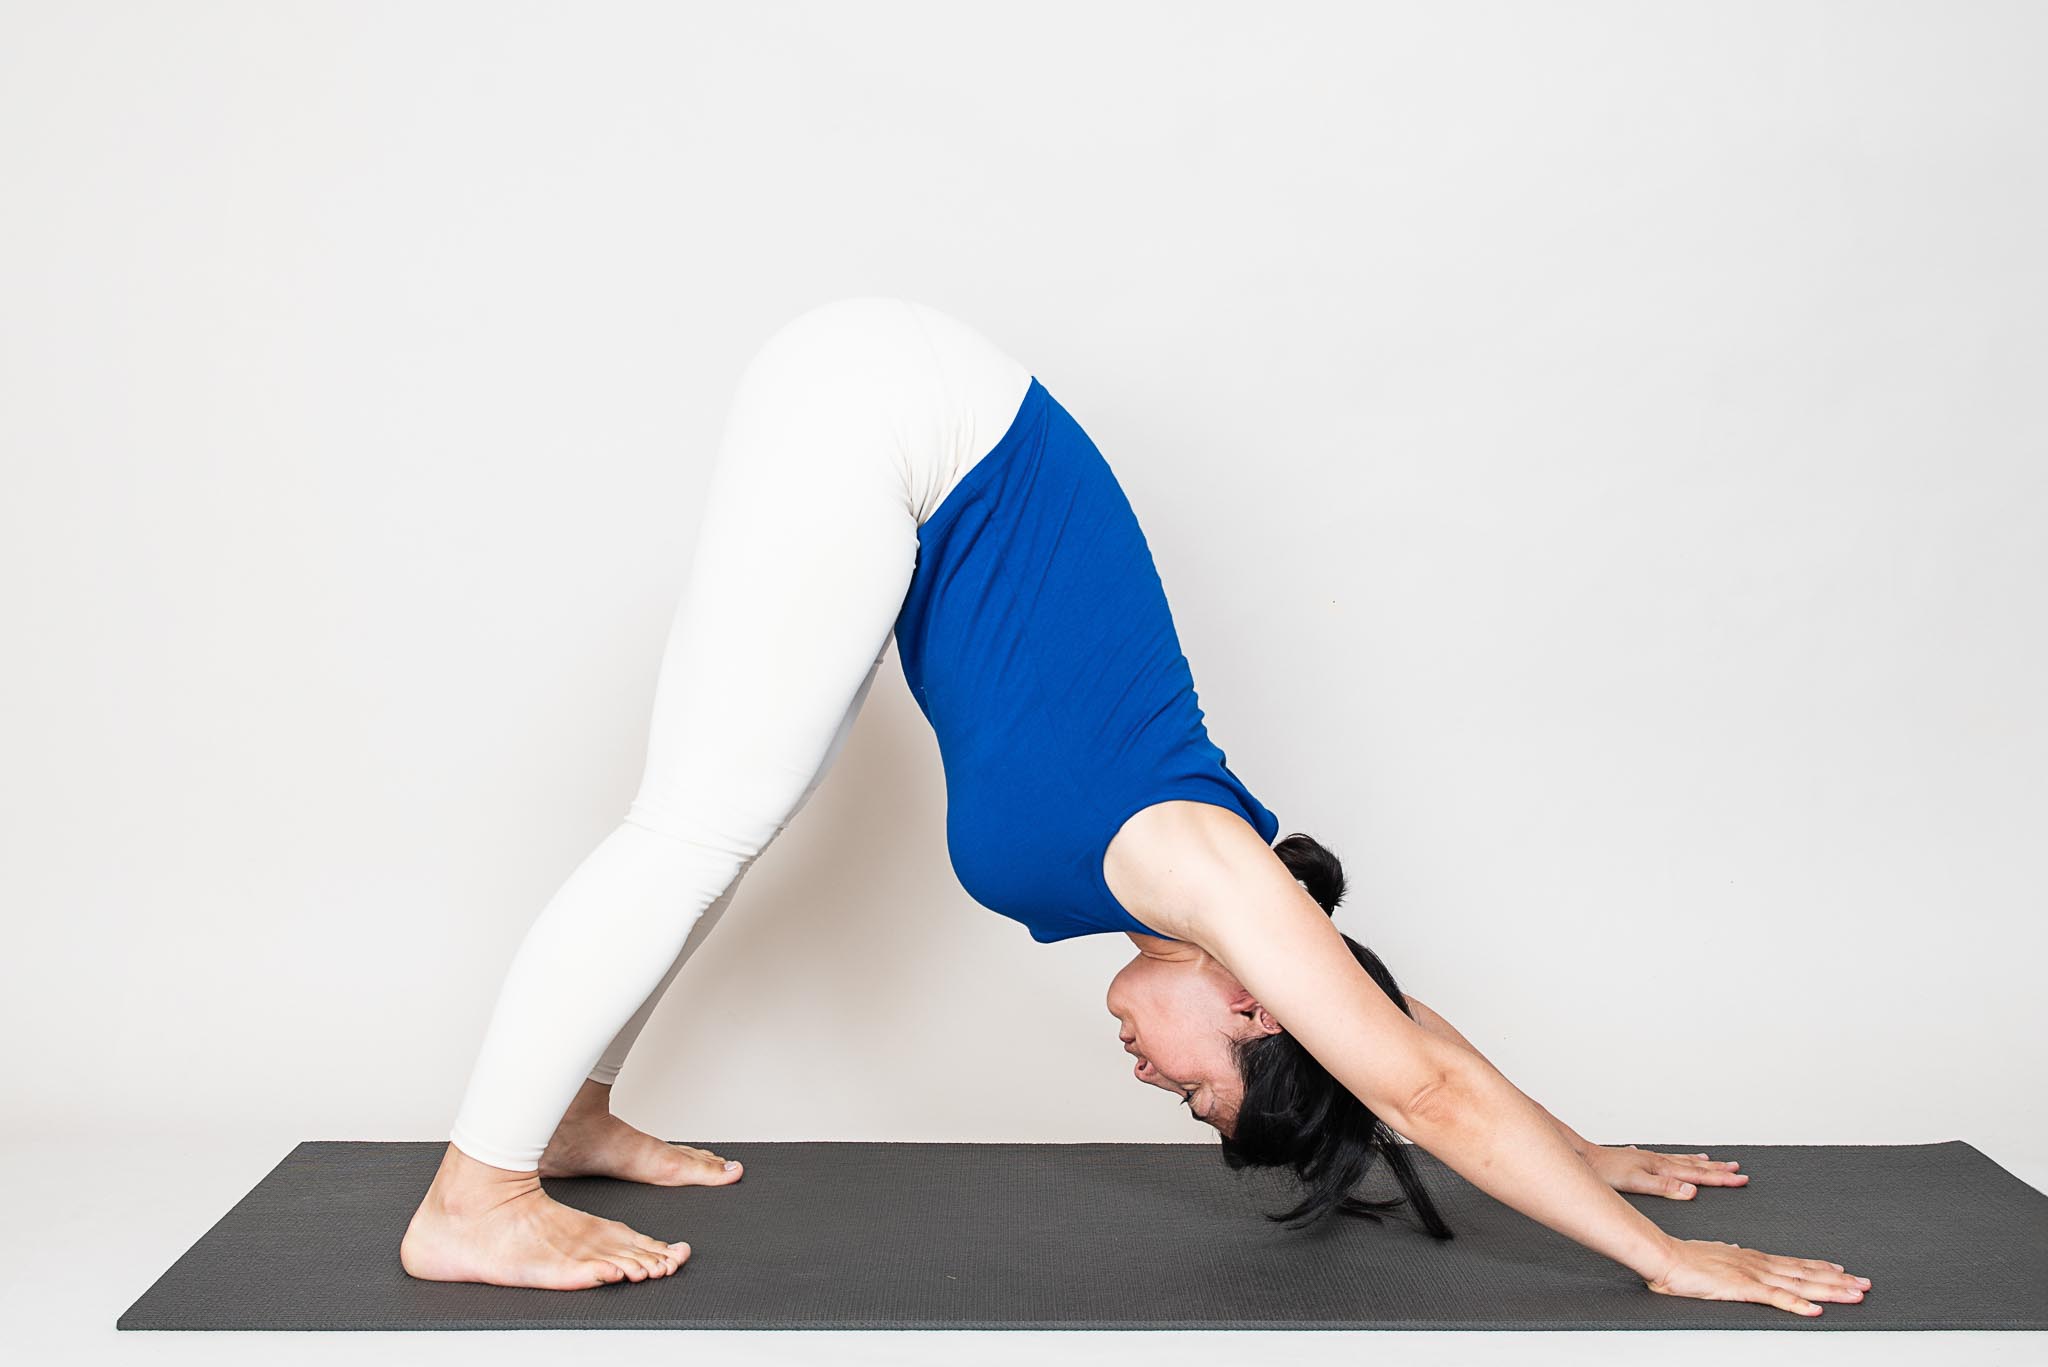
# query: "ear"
(1243, 1003)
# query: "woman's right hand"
(1709, 1270)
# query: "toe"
(651, 1254)
(705, 1166)
(637, 1264)
(712, 1169)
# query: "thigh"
(984, 386)
(804, 554)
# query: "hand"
(1676, 1175)
(1709, 1270)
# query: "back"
(1037, 640)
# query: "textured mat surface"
(1116, 1236)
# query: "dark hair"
(1296, 1115)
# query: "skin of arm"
(1628, 1168)
(1227, 893)
(1436, 1025)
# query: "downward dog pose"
(885, 469)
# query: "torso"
(1037, 640)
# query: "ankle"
(593, 1101)
(466, 1186)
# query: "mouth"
(1130, 1043)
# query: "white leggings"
(849, 427)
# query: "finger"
(1826, 1274)
(1672, 1174)
(1688, 1165)
(1815, 1289)
(1771, 1289)
(1823, 1265)
(1717, 1177)
(1787, 1300)
(1806, 1267)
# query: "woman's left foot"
(601, 1145)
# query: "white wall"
(1595, 454)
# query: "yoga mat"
(1117, 1236)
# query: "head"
(1196, 1032)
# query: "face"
(1179, 1012)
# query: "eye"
(1187, 1099)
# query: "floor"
(93, 1223)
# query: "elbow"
(1439, 1103)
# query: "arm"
(1225, 891)
(1438, 1026)
(1644, 1172)
(1261, 924)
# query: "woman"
(886, 469)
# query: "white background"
(1595, 454)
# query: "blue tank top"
(1036, 639)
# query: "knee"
(731, 836)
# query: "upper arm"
(1240, 903)
(1436, 1025)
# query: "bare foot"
(606, 1146)
(484, 1224)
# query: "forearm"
(1436, 1025)
(1233, 898)
(1502, 1142)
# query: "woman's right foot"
(484, 1224)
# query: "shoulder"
(1174, 863)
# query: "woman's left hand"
(1646, 1173)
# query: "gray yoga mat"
(1116, 1236)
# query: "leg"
(592, 1142)
(607, 1070)
(983, 386)
(806, 549)
(804, 554)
